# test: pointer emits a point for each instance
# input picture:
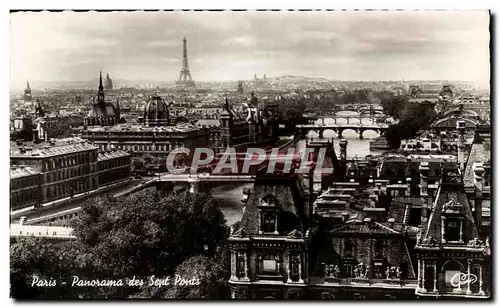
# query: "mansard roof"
(478, 153)
(370, 227)
(451, 199)
(288, 199)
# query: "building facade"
(410, 226)
(57, 172)
(24, 187)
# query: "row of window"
(23, 199)
(402, 192)
(24, 182)
(141, 134)
(144, 147)
(101, 121)
(69, 189)
(69, 160)
(349, 247)
(67, 174)
(112, 163)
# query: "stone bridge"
(358, 108)
(340, 128)
(203, 181)
(348, 119)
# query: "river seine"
(229, 196)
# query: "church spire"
(27, 92)
(100, 81)
(100, 92)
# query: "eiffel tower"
(185, 78)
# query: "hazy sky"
(234, 45)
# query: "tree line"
(142, 235)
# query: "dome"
(108, 83)
(156, 111)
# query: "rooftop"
(208, 122)
(43, 144)
(111, 154)
(17, 172)
(179, 128)
(49, 151)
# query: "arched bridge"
(350, 119)
(340, 128)
(374, 108)
(203, 181)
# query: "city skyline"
(368, 46)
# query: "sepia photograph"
(250, 155)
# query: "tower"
(109, 82)
(118, 109)
(100, 92)
(185, 78)
(240, 88)
(27, 92)
(226, 118)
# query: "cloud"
(245, 41)
(235, 45)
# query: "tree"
(35, 260)
(140, 235)
(198, 277)
(292, 113)
(392, 104)
(413, 117)
(144, 235)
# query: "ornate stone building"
(269, 249)
(102, 113)
(453, 258)
(253, 124)
(414, 226)
(24, 187)
(46, 173)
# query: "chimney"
(391, 221)
(424, 173)
(384, 187)
(461, 145)
(373, 200)
(478, 200)
(408, 187)
(343, 152)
